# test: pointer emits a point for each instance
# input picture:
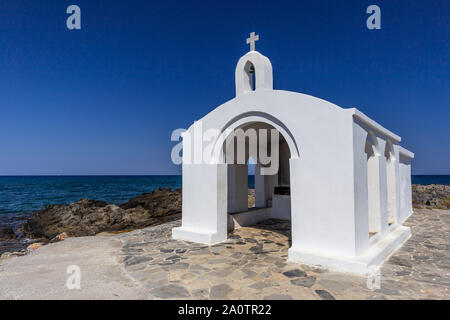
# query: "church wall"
(328, 173)
(322, 209)
(371, 186)
(284, 174)
(237, 187)
(264, 185)
(281, 207)
(393, 174)
(405, 187)
(204, 193)
(361, 206)
(321, 138)
(383, 196)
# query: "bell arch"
(253, 72)
(250, 76)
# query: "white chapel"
(342, 179)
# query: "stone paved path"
(252, 264)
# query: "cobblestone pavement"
(252, 264)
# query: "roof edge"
(374, 125)
(406, 152)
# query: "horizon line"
(134, 175)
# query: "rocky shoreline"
(252, 264)
(90, 217)
(433, 196)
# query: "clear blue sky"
(105, 99)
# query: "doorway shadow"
(282, 227)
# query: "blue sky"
(105, 99)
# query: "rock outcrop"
(431, 196)
(7, 233)
(89, 217)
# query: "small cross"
(252, 41)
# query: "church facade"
(342, 179)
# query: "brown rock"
(89, 217)
(60, 237)
(34, 246)
(7, 255)
(431, 196)
(7, 233)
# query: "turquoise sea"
(20, 195)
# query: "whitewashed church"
(343, 180)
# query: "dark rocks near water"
(7, 233)
(431, 196)
(89, 217)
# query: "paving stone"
(337, 286)
(174, 257)
(280, 264)
(258, 268)
(200, 293)
(137, 259)
(220, 291)
(168, 262)
(387, 291)
(403, 273)
(400, 262)
(151, 284)
(237, 255)
(249, 273)
(142, 275)
(325, 295)
(198, 268)
(256, 249)
(294, 273)
(304, 282)
(179, 265)
(259, 285)
(170, 291)
(220, 273)
(277, 296)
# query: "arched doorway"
(267, 147)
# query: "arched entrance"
(252, 138)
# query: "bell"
(251, 70)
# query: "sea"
(21, 195)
